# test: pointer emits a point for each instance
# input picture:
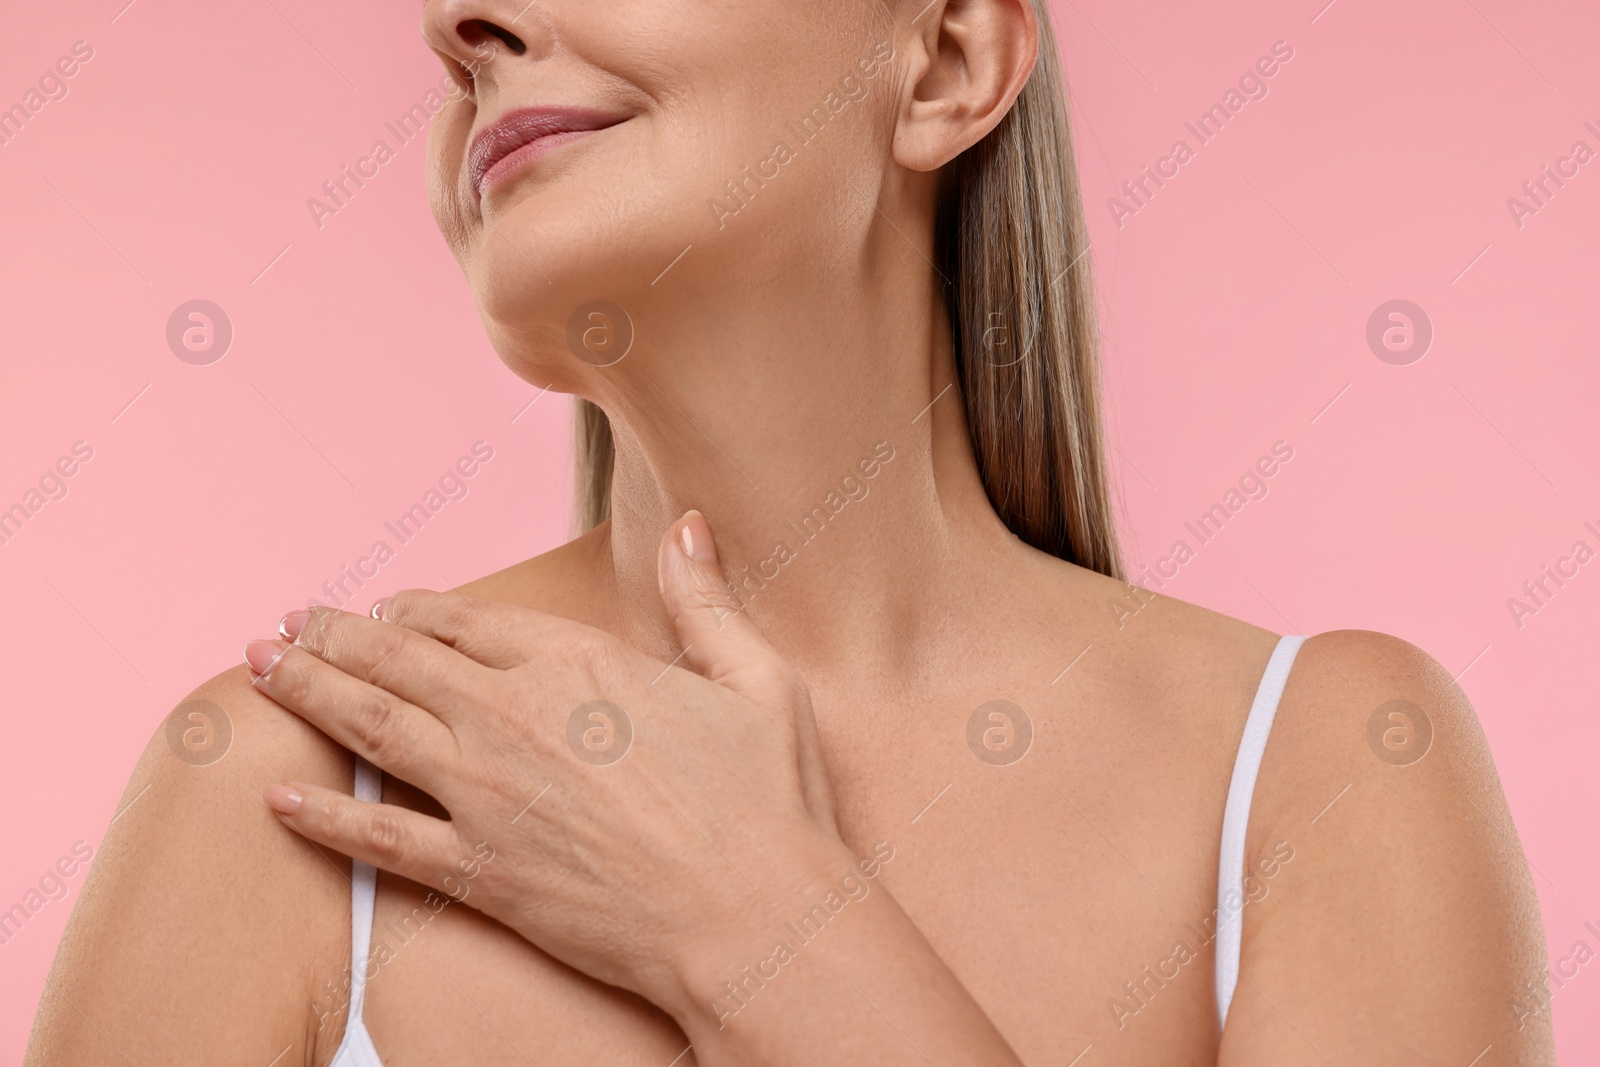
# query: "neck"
(828, 451)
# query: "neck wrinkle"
(850, 521)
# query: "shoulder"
(1406, 901)
(1384, 716)
(560, 581)
(1188, 666)
(202, 908)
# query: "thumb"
(719, 638)
(722, 643)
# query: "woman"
(838, 736)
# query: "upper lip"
(516, 128)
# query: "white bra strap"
(363, 893)
(1236, 818)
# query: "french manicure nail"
(291, 624)
(284, 799)
(262, 656)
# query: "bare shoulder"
(1404, 926)
(206, 930)
(559, 582)
(1182, 662)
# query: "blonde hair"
(1012, 241)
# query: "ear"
(968, 61)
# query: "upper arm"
(1405, 927)
(205, 927)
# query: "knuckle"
(456, 614)
(385, 650)
(401, 606)
(293, 680)
(377, 727)
(407, 603)
(581, 648)
(383, 837)
(710, 599)
(318, 630)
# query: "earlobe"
(968, 62)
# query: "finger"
(409, 843)
(720, 639)
(491, 632)
(724, 644)
(408, 664)
(372, 722)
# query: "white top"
(356, 1050)
(1236, 818)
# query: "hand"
(625, 816)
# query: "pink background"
(1235, 310)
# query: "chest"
(1071, 889)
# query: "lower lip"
(525, 155)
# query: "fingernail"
(284, 799)
(262, 656)
(696, 536)
(380, 607)
(291, 624)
